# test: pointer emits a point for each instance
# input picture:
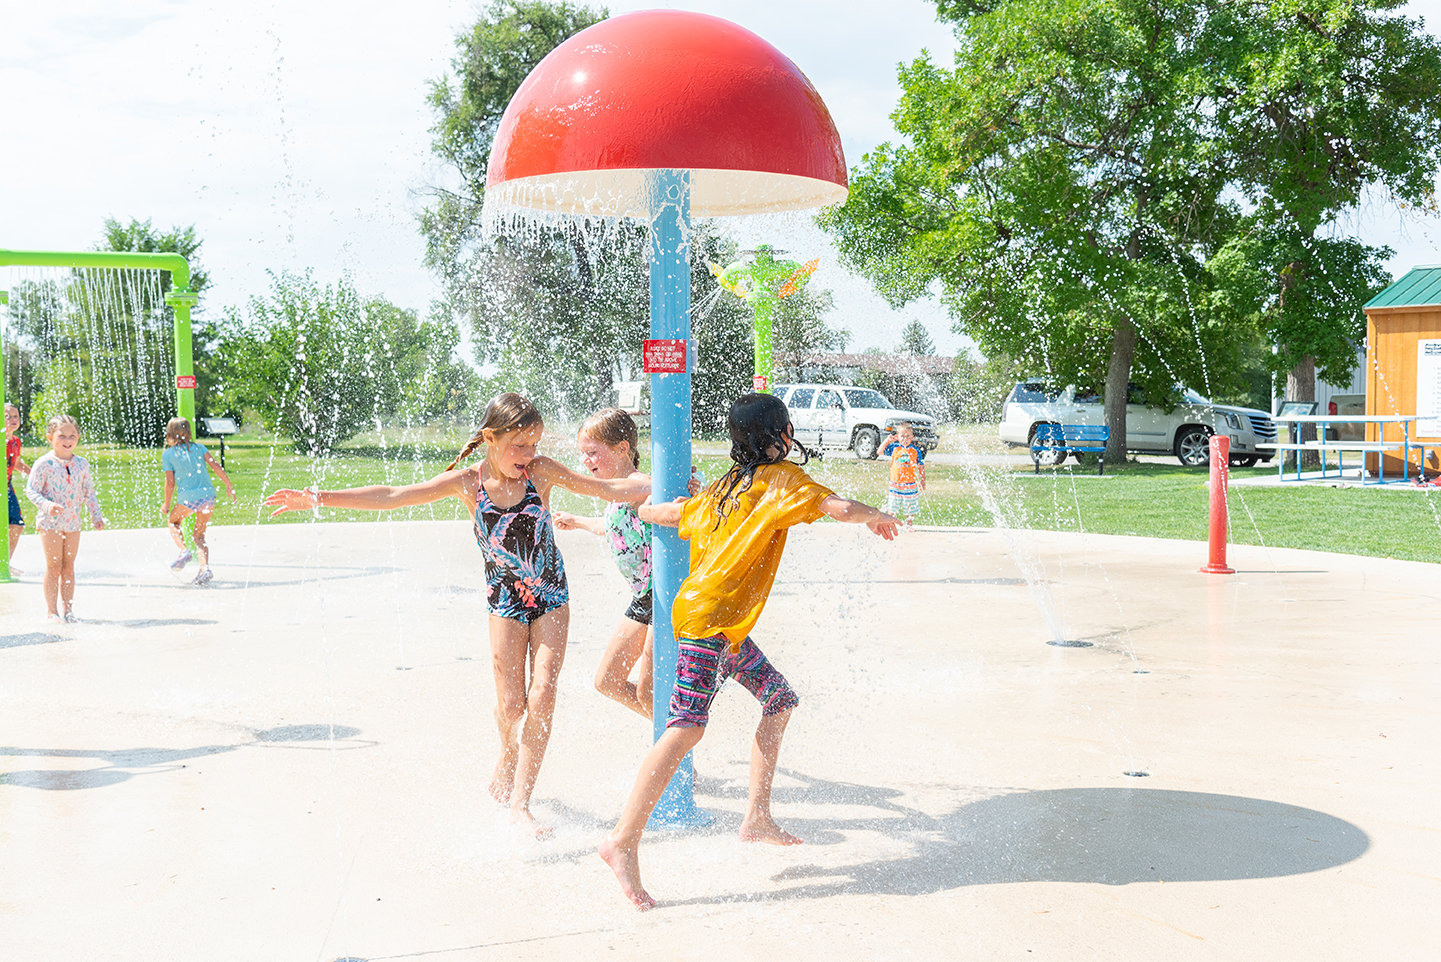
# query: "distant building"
(1403, 357)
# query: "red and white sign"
(759, 383)
(185, 382)
(663, 356)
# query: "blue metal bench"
(1063, 439)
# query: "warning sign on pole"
(663, 356)
(185, 381)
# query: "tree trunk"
(1301, 386)
(1118, 377)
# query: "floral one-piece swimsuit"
(523, 567)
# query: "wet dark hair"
(611, 426)
(505, 413)
(757, 423)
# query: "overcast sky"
(295, 135)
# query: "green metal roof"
(1421, 287)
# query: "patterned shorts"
(903, 502)
(705, 664)
(199, 503)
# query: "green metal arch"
(180, 297)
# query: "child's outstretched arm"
(551, 472)
(565, 521)
(375, 497)
(220, 473)
(854, 512)
(666, 515)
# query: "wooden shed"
(1403, 362)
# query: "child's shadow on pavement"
(1113, 836)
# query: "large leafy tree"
(1117, 190)
(553, 306)
(1059, 185)
(1322, 102)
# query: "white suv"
(841, 417)
(1185, 431)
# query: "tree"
(321, 363)
(553, 306)
(1060, 186)
(1322, 101)
(801, 328)
(141, 237)
(916, 340)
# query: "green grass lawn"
(1150, 500)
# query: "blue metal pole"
(670, 459)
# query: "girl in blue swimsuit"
(508, 494)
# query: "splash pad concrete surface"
(291, 764)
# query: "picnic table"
(1325, 447)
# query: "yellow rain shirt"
(732, 567)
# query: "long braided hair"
(505, 413)
(757, 423)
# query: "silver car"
(1184, 431)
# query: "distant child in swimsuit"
(608, 448)
(12, 462)
(737, 529)
(508, 494)
(60, 485)
(187, 482)
(908, 472)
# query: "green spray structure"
(180, 298)
(763, 283)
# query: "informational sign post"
(1428, 388)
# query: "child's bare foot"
(53, 618)
(625, 863)
(764, 829)
(524, 821)
(502, 780)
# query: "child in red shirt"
(13, 461)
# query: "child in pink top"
(60, 485)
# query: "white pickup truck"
(840, 417)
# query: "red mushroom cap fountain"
(666, 90)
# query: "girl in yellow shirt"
(737, 530)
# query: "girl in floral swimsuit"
(607, 442)
(508, 495)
